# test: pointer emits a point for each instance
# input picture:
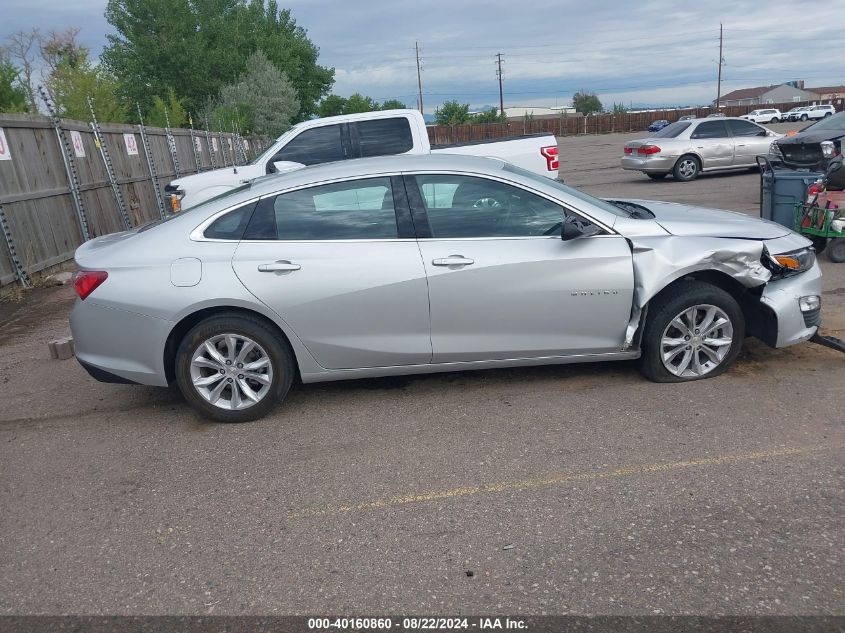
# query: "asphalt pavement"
(576, 489)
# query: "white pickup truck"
(353, 136)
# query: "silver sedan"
(687, 148)
(418, 264)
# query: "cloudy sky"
(643, 52)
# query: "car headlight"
(792, 263)
(774, 152)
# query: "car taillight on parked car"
(648, 150)
(550, 154)
(629, 150)
(87, 281)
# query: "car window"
(672, 130)
(466, 206)
(382, 137)
(314, 146)
(745, 128)
(230, 226)
(710, 129)
(358, 209)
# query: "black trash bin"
(781, 189)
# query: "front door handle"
(282, 265)
(453, 260)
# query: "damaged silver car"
(418, 264)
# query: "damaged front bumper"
(782, 298)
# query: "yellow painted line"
(556, 480)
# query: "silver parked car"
(687, 148)
(418, 264)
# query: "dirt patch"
(32, 309)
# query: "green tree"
(393, 104)
(74, 79)
(263, 101)
(12, 94)
(586, 102)
(452, 113)
(619, 108)
(174, 108)
(201, 46)
(490, 116)
(359, 103)
(332, 105)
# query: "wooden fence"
(42, 224)
(578, 124)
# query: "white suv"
(770, 115)
(817, 112)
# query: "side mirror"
(574, 227)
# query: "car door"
(339, 263)
(713, 144)
(750, 141)
(503, 285)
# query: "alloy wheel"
(687, 168)
(696, 341)
(231, 371)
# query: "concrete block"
(61, 348)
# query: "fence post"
(151, 164)
(70, 166)
(100, 143)
(171, 145)
(20, 271)
(208, 144)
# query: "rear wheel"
(657, 176)
(827, 114)
(687, 168)
(775, 120)
(692, 333)
(836, 250)
(804, 117)
(233, 368)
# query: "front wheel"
(693, 333)
(775, 120)
(233, 368)
(804, 117)
(686, 169)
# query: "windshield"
(834, 122)
(556, 184)
(672, 130)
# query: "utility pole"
(719, 80)
(419, 75)
(499, 75)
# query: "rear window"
(672, 130)
(314, 146)
(383, 137)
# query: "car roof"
(363, 167)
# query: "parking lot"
(570, 489)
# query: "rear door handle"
(280, 266)
(453, 260)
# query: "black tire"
(826, 114)
(666, 307)
(687, 168)
(775, 120)
(657, 176)
(819, 243)
(836, 250)
(277, 350)
(804, 117)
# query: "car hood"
(812, 136)
(685, 220)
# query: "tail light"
(629, 150)
(814, 189)
(648, 150)
(550, 154)
(87, 281)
